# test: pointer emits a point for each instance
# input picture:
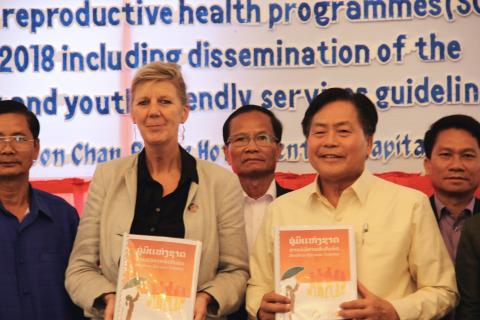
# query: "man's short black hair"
(12, 106)
(367, 114)
(456, 121)
(276, 124)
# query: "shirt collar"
(440, 207)
(189, 167)
(271, 192)
(36, 205)
(360, 187)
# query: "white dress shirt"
(254, 211)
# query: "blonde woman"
(161, 191)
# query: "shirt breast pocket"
(385, 245)
(52, 267)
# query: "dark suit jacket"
(467, 267)
(476, 211)
(281, 190)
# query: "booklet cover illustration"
(157, 278)
(315, 266)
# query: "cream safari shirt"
(401, 256)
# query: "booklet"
(315, 266)
(157, 278)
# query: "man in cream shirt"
(403, 268)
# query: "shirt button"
(26, 291)
(152, 229)
(22, 261)
(338, 218)
(157, 209)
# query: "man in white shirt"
(403, 267)
(252, 137)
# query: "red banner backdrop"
(74, 190)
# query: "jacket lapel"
(476, 206)
(124, 220)
(434, 208)
(131, 183)
(281, 190)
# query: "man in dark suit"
(452, 149)
(467, 269)
(252, 137)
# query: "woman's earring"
(134, 127)
(181, 134)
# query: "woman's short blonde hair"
(161, 71)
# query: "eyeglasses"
(261, 140)
(17, 141)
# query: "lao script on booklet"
(315, 266)
(157, 278)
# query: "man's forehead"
(448, 138)
(257, 122)
(254, 115)
(13, 123)
(12, 116)
(247, 133)
(331, 122)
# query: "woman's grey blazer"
(213, 214)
